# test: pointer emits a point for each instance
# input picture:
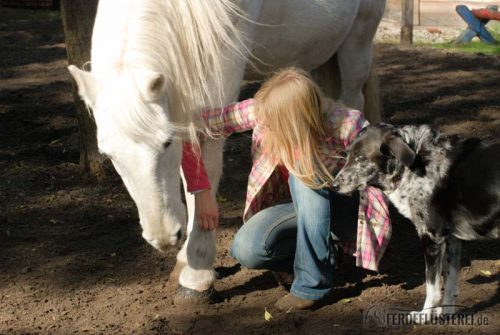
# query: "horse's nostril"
(179, 234)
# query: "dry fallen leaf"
(267, 315)
(486, 273)
(345, 301)
(55, 142)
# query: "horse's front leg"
(195, 260)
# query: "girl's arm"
(237, 117)
(206, 210)
(194, 170)
(234, 118)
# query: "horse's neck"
(109, 35)
(234, 62)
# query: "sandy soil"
(71, 256)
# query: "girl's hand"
(206, 209)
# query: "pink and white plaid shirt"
(266, 187)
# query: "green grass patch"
(475, 46)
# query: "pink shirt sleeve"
(194, 170)
(234, 118)
(351, 126)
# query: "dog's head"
(376, 157)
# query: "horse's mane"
(185, 40)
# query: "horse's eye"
(167, 144)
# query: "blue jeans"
(299, 236)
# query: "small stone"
(26, 269)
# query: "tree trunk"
(78, 20)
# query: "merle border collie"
(449, 187)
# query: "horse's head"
(136, 131)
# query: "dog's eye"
(391, 166)
(167, 144)
(362, 131)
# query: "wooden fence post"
(406, 23)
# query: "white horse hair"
(157, 63)
(154, 46)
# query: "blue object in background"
(476, 27)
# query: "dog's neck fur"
(414, 191)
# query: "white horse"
(157, 62)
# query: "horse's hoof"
(186, 296)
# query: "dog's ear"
(393, 145)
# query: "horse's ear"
(395, 146)
(87, 84)
(153, 85)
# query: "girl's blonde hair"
(290, 106)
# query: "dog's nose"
(335, 186)
(179, 235)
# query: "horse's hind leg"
(355, 62)
(327, 76)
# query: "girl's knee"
(247, 252)
(255, 244)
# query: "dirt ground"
(72, 260)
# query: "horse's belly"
(304, 33)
